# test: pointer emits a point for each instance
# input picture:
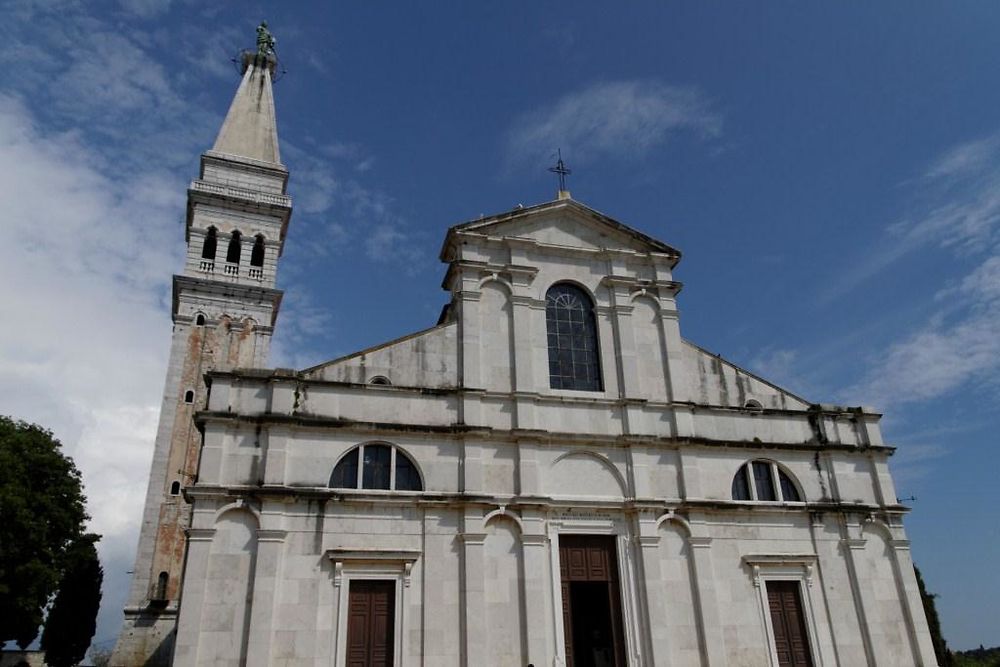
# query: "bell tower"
(224, 310)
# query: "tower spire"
(250, 129)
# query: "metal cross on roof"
(562, 170)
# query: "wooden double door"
(371, 614)
(788, 622)
(591, 601)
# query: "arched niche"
(584, 474)
(229, 582)
(496, 336)
(503, 588)
(650, 348)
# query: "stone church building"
(550, 475)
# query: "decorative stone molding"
(534, 540)
(523, 300)
(504, 512)
(243, 194)
(271, 535)
(200, 534)
(638, 287)
(700, 542)
(648, 541)
(401, 561)
(473, 538)
(804, 561)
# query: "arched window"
(233, 253)
(175, 488)
(189, 396)
(257, 254)
(380, 379)
(755, 481)
(381, 466)
(574, 361)
(211, 242)
(161, 586)
(200, 320)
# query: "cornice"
(309, 421)
(243, 195)
(453, 499)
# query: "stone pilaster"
(708, 604)
(270, 547)
(658, 638)
(473, 595)
(196, 580)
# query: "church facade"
(550, 475)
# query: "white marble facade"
(509, 466)
(253, 550)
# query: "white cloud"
(96, 151)
(959, 213)
(956, 206)
(87, 259)
(948, 352)
(99, 133)
(612, 119)
(301, 321)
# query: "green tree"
(42, 505)
(941, 651)
(72, 619)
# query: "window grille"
(381, 467)
(764, 481)
(574, 359)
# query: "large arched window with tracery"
(376, 465)
(574, 359)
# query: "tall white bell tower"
(224, 310)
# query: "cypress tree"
(72, 620)
(944, 656)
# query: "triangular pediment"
(565, 223)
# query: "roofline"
(746, 372)
(374, 348)
(515, 213)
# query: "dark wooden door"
(592, 617)
(370, 618)
(789, 623)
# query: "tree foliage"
(72, 620)
(978, 657)
(42, 505)
(941, 651)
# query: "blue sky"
(830, 171)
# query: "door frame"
(626, 580)
(380, 565)
(796, 568)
